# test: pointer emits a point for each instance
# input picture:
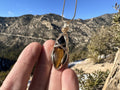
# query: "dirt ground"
(90, 67)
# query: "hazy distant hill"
(17, 32)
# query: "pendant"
(60, 51)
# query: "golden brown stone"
(59, 53)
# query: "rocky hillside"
(17, 32)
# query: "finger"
(43, 68)
(69, 80)
(20, 73)
(55, 78)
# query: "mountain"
(17, 32)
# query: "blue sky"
(85, 8)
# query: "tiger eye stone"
(58, 56)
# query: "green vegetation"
(106, 42)
(11, 53)
(79, 54)
(3, 76)
(93, 81)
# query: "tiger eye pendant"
(60, 51)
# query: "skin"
(45, 76)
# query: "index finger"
(43, 68)
(18, 77)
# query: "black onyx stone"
(61, 40)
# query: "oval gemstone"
(58, 56)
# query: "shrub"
(93, 81)
(3, 75)
(11, 53)
(79, 54)
(105, 41)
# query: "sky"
(86, 9)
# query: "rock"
(110, 58)
(17, 32)
(88, 61)
(88, 66)
(113, 80)
(101, 57)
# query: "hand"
(45, 76)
